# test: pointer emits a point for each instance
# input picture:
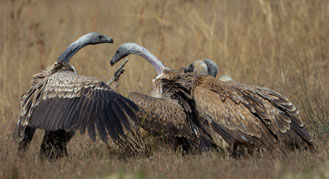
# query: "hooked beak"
(115, 58)
(109, 40)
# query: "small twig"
(116, 75)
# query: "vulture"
(207, 113)
(60, 102)
(165, 113)
(263, 116)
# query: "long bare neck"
(71, 50)
(143, 52)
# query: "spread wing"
(68, 101)
(162, 116)
(236, 115)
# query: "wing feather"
(91, 121)
(117, 124)
(130, 108)
(99, 125)
(120, 114)
(84, 116)
(73, 111)
(109, 124)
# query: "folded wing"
(237, 115)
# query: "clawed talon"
(117, 74)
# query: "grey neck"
(143, 52)
(72, 49)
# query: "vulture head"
(96, 38)
(91, 38)
(132, 48)
(203, 67)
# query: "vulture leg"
(117, 74)
(54, 145)
(23, 145)
(69, 136)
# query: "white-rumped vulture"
(225, 115)
(165, 113)
(61, 102)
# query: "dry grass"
(279, 44)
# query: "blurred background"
(282, 45)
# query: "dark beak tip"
(110, 40)
(112, 62)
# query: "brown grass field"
(280, 44)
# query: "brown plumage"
(158, 114)
(248, 117)
(227, 115)
(61, 102)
